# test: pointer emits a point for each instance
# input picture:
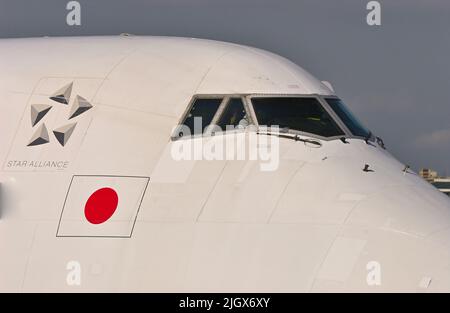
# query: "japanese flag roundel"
(102, 206)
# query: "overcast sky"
(395, 77)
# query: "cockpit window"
(300, 114)
(352, 123)
(234, 115)
(201, 115)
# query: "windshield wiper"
(380, 142)
(284, 133)
(368, 137)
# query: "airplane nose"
(411, 220)
(406, 226)
(398, 199)
(413, 227)
(383, 214)
(405, 231)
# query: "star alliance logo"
(62, 133)
(54, 124)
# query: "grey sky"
(395, 77)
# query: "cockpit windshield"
(294, 113)
(352, 123)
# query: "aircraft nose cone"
(407, 230)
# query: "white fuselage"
(316, 223)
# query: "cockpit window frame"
(349, 133)
(320, 100)
(253, 120)
(220, 110)
(188, 110)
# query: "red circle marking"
(101, 205)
